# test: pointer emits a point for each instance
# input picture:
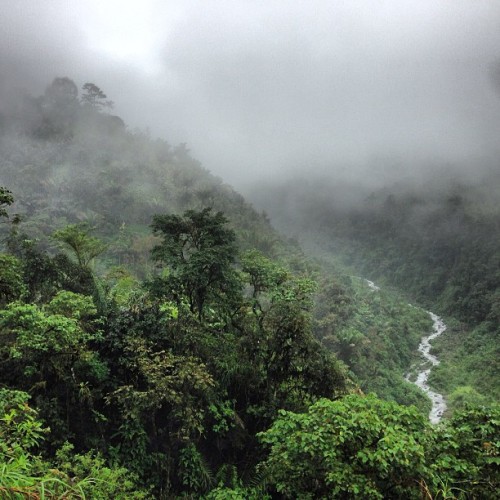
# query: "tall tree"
(199, 251)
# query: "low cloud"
(268, 89)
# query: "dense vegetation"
(153, 346)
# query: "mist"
(264, 91)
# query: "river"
(424, 368)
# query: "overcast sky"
(262, 87)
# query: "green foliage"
(284, 357)
(48, 350)
(172, 382)
(20, 432)
(237, 493)
(231, 486)
(72, 305)
(365, 447)
(44, 275)
(11, 280)
(200, 252)
(24, 475)
(467, 452)
(465, 395)
(123, 286)
(55, 328)
(95, 478)
(470, 363)
(377, 340)
(194, 472)
(263, 274)
(354, 447)
(223, 415)
(19, 428)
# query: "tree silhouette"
(93, 97)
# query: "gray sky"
(258, 88)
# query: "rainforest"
(159, 338)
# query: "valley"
(161, 339)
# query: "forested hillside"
(70, 162)
(159, 339)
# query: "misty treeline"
(159, 339)
(58, 112)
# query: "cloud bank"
(265, 89)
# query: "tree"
(44, 275)
(199, 251)
(357, 447)
(50, 351)
(286, 366)
(6, 199)
(78, 239)
(163, 404)
(364, 447)
(60, 108)
(264, 276)
(62, 327)
(11, 282)
(62, 91)
(94, 98)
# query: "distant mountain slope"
(438, 242)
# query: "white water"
(424, 370)
(373, 286)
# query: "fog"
(362, 90)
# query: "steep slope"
(116, 181)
